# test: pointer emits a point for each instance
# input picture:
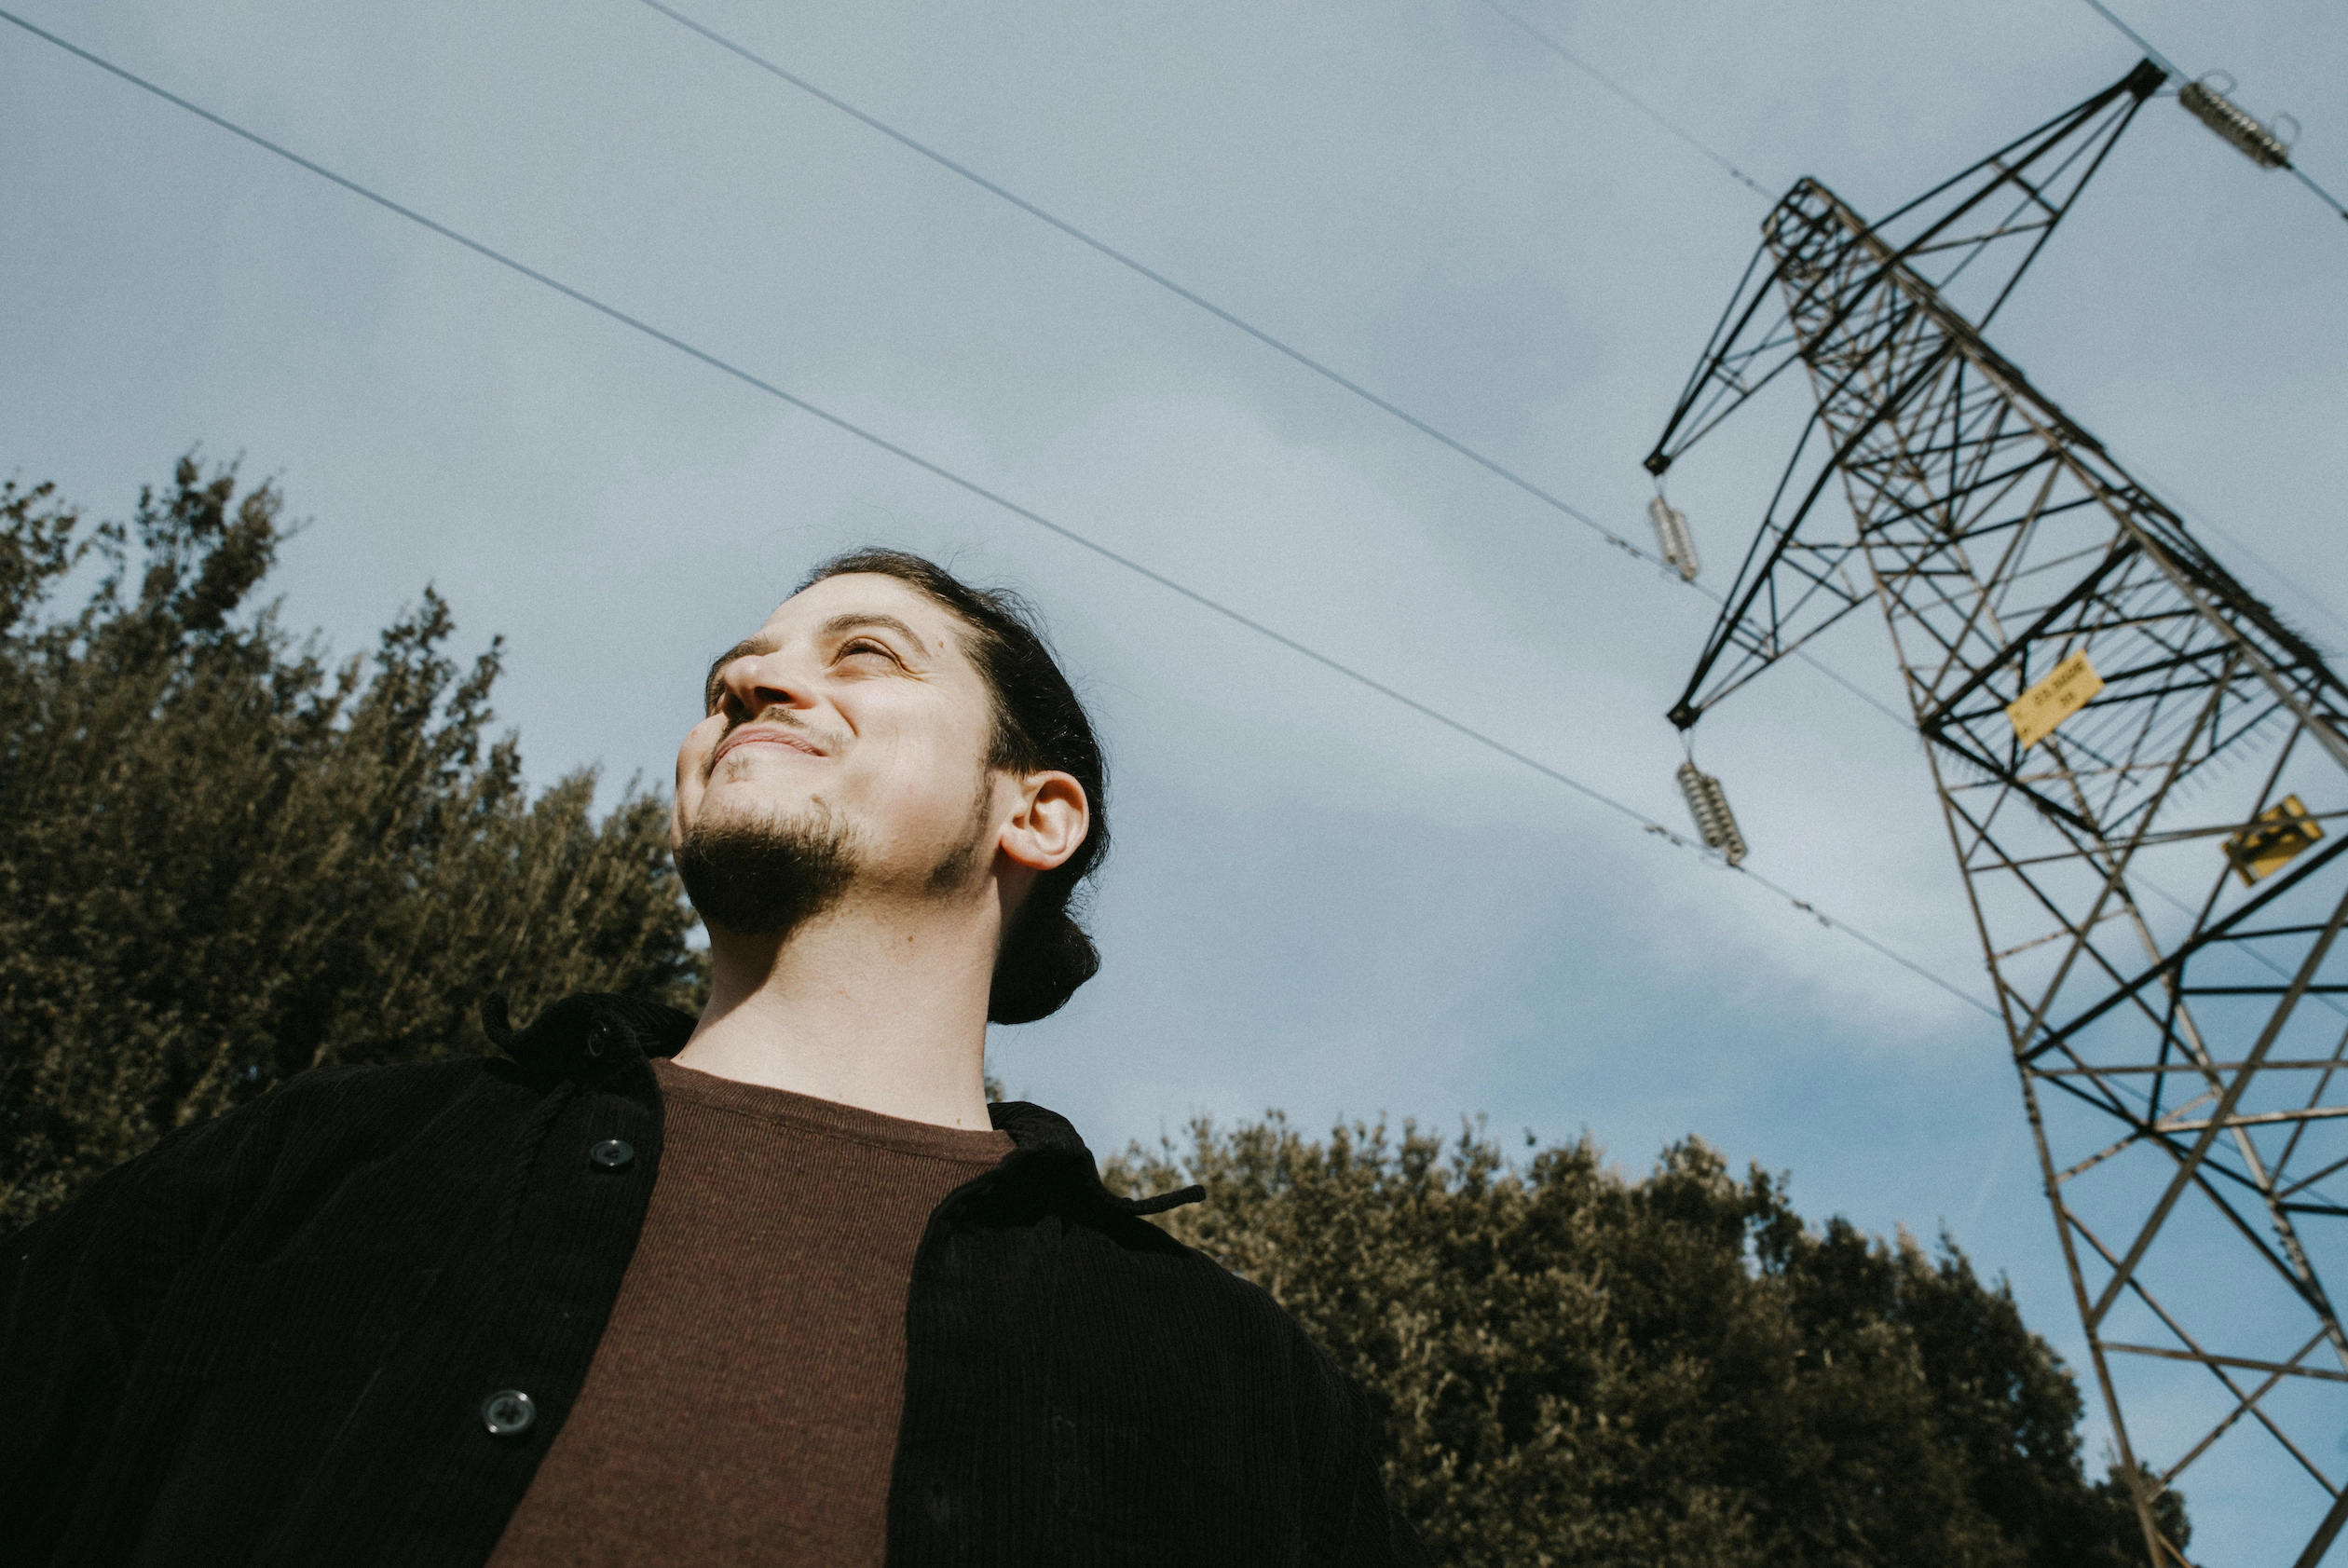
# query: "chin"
(765, 811)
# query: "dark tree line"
(1580, 1368)
(225, 858)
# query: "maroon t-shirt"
(742, 1407)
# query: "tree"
(223, 860)
(1577, 1368)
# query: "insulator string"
(2283, 161)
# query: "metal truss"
(2160, 880)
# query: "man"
(773, 1286)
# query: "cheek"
(928, 785)
(693, 755)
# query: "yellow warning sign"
(2062, 693)
(2278, 833)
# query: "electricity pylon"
(2140, 767)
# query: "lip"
(764, 735)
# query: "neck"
(879, 1005)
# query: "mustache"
(776, 717)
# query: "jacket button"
(508, 1413)
(611, 1154)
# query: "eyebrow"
(762, 642)
(838, 624)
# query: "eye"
(862, 646)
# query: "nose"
(756, 682)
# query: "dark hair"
(1039, 724)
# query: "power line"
(2139, 40)
(1161, 279)
(1269, 341)
(2327, 198)
(1649, 110)
(2165, 63)
(2209, 525)
(973, 487)
(2178, 72)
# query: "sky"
(1318, 900)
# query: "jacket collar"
(588, 1035)
(592, 1035)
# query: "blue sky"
(1318, 901)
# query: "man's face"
(852, 712)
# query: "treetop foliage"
(1580, 1368)
(225, 859)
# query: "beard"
(766, 875)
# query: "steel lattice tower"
(2158, 880)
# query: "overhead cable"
(1160, 278)
(1298, 356)
(2328, 199)
(983, 493)
(2139, 40)
(2201, 520)
(1649, 110)
(2165, 63)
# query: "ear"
(1050, 824)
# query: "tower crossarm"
(1825, 291)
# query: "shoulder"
(456, 1113)
(300, 1131)
(361, 1107)
(348, 1156)
(588, 1041)
(328, 1107)
(1123, 1278)
(1234, 1398)
(1140, 1310)
(1170, 1278)
(111, 1252)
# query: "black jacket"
(271, 1338)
